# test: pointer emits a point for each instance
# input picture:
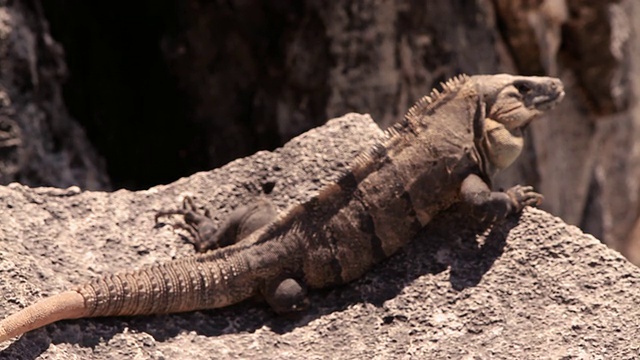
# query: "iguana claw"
(199, 225)
(522, 196)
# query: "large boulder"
(528, 287)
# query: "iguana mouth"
(547, 102)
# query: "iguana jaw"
(546, 102)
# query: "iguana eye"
(522, 88)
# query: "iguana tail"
(193, 283)
(206, 281)
(67, 305)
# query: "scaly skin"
(445, 150)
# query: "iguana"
(445, 150)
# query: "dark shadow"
(30, 346)
(453, 242)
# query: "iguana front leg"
(487, 205)
(241, 223)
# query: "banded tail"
(194, 283)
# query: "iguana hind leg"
(487, 205)
(286, 295)
(241, 223)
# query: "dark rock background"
(40, 143)
(530, 287)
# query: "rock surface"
(530, 287)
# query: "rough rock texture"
(528, 288)
(40, 144)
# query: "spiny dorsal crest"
(370, 160)
(422, 107)
(429, 102)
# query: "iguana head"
(508, 104)
(514, 101)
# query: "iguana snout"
(541, 96)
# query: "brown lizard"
(445, 150)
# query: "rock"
(529, 287)
(40, 143)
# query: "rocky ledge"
(529, 287)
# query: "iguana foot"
(188, 207)
(487, 205)
(205, 236)
(199, 225)
(286, 296)
(522, 196)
